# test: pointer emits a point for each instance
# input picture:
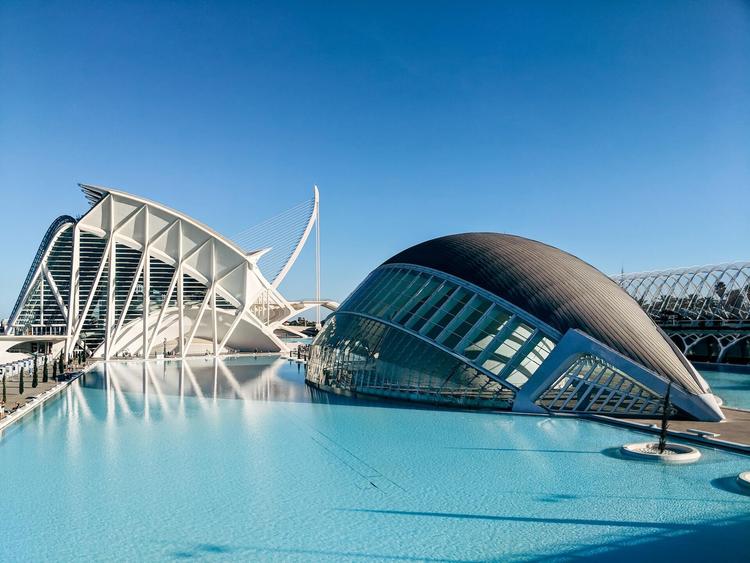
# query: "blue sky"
(618, 131)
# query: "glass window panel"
(364, 292)
(397, 285)
(412, 282)
(464, 320)
(531, 362)
(373, 292)
(418, 299)
(607, 389)
(507, 348)
(485, 332)
(431, 304)
(383, 288)
(446, 313)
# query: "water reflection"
(262, 378)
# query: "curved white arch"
(308, 229)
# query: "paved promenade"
(13, 397)
(735, 429)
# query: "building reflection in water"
(262, 378)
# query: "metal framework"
(705, 310)
(416, 333)
(135, 277)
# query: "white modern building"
(133, 277)
(490, 320)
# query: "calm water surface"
(733, 387)
(239, 460)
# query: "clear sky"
(618, 131)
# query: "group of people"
(4, 410)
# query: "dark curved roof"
(556, 287)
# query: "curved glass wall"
(358, 354)
(465, 339)
(43, 310)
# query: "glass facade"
(594, 386)
(41, 312)
(92, 248)
(408, 330)
(363, 355)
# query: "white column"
(41, 299)
(317, 263)
(180, 298)
(74, 288)
(213, 297)
(146, 279)
(110, 283)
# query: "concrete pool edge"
(735, 447)
(41, 400)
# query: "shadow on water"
(252, 552)
(729, 484)
(523, 450)
(725, 540)
(530, 519)
(615, 453)
(203, 549)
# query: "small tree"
(5, 398)
(54, 370)
(34, 377)
(20, 382)
(36, 366)
(61, 367)
(45, 371)
(666, 408)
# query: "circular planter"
(743, 480)
(649, 451)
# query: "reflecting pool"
(239, 460)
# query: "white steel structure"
(704, 309)
(133, 277)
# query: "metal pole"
(317, 263)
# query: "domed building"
(488, 320)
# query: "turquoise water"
(307, 340)
(241, 461)
(732, 387)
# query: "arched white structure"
(133, 276)
(704, 309)
(279, 240)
